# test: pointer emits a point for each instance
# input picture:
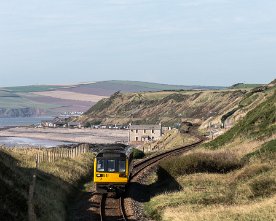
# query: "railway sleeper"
(106, 188)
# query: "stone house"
(56, 122)
(75, 125)
(142, 133)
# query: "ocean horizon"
(22, 121)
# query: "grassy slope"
(171, 139)
(168, 107)
(245, 86)
(55, 184)
(258, 123)
(207, 191)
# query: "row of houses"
(111, 126)
(137, 133)
(60, 122)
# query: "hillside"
(34, 100)
(167, 107)
(173, 107)
(245, 86)
(56, 183)
(259, 123)
(232, 177)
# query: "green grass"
(200, 162)
(150, 86)
(265, 151)
(20, 102)
(243, 192)
(245, 86)
(222, 184)
(4, 93)
(32, 88)
(56, 184)
(258, 123)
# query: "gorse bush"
(138, 154)
(221, 162)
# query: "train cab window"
(110, 165)
(100, 165)
(122, 166)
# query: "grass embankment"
(56, 183)
(217, 185)
(230, 178)
(259, 123)
(172, 139)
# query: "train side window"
(110, 165)
(122, 166)
(100, 165)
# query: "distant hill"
(245, 86)
(108, 88)
(32, 100)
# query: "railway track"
(112, 208)
(140, 166)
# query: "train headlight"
(122, 175)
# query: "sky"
(188, 42)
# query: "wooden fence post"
(31, 212)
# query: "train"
(112, 169)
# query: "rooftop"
(146, 127)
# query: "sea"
(30, 142)
(22, 121)
(22, 141)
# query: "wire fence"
(43, 155)
(52, 155)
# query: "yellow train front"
(112, 168)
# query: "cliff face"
(171, 107)
(166, 107)
(20, 112)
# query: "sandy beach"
(69, 135)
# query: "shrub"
(201, 162)
(251, 171)
(138, 154)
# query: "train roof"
(118, 150)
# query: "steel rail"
(138, 167)
(120, 206)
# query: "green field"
(32, 88)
